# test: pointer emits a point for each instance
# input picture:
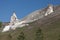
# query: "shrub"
(39, 35)
(21, 36)
(0, 24)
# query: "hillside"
(46, 28)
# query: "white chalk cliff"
(15, 22)
(49, 10)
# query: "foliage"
(21, 36)
(59, 37)
(0, 24)
(10, 36)
(39, 35)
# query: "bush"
(39, 35)
(59, 37)
(10, 36)
(21, 36)
(0, 24)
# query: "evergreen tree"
(59, 37)
(39, 35)
(0, 24)
(21, 36)
(9, 36)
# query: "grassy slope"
(51, 31)
(50, 27)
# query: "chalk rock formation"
(49, 10)
(13, 19)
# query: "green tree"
(59, 37)
(21, 36)
(39, 35)
(9, 36)
(0, 24)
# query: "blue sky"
(22, 7)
